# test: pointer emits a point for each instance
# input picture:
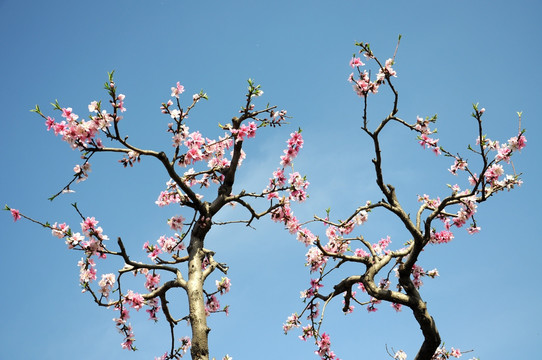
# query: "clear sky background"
(452, 54)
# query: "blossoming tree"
(182, 261)
(179, 261)
(433, 223)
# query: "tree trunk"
(430, 332)
(196, 302)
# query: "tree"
(455, 210)
(373, 259)
(213, 168)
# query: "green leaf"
(36, 109)
(56, 105)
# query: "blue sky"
(452, 54)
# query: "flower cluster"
(106, 284)
(291, 322)
(81, 134)
(417, 273)
(363, 85)
(131, 158)
(297, 187)
(422, 126)
(133, 299)
(212, 305)
(81, 172)
(244, 130)
(443, 354)
(172, 195)
(324, 350)
(154, 307)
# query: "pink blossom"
(361, 217)
(517, 143)
(455, 353)
(459, 164)
(426, 141)
(388, 69)
(193, 155)
(135, 300)
(422, 125)
(306, 236)
(324, 350)
(473, 230)
(60, 230)
(355, 62)
(308, 332)
(59, 128)
(69, 115)
(120, 105)
(93, 107)
(153, 250)
(212, 305)
(177, 90)
(152, 281)
(124, 315)
(74, 240)
(503, 153)
(442, 237)
(128, 343)
(417, 273)
(176, 222)
(185, 343)
(292, 321)
(361, 253)
(87, 272)
(49, 122)
(473, 179)
(493, 173)
(106, 284)
(315, 258)
(16, 215)
(223, 286)
(89, 224)
(295, 143)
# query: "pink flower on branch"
(16, 214)
(177, 90)
(223, 286)
(426, 141)
(120, 104)
(356, 62)
(291, 322)
(106, 284)
(441, 237)
(176, 222)
(152, 281)
(517, 142)
(133, 299)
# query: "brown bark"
(196, 302)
